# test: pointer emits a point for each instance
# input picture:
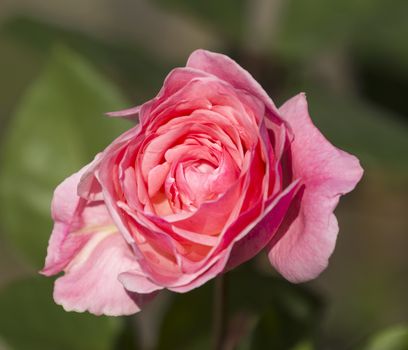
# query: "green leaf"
(58, 127)
(394, 338)
(29, 319)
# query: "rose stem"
(220, 311)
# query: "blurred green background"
(64, 63)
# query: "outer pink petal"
(227, 69)
(327, 172)
(63, 209)
(91, 280)
(86, 245)
(261, 231)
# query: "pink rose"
(211, 175)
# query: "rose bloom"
(212, 174)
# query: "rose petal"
(175, 80)
(65, 204)
(130, 113)
(135, 281)
(327, 172)
(91, 280)
(156, 178)
(227, 69)
(264, 229)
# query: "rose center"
(202, 167)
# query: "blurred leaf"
(3, 345)
(29, 319)
(384, 83)
(394, 338)
(373, 134)
(308, 26)
(264, 313)
(187, 322)
(135, 68)
(387, 33)
(288, 313)
(226, 17)
(11, 266)
(315, 25)
(304, 345)
(58, 127)
(14, 81)
(128, 338)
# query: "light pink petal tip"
(130, 113)
(327, 173)
(63, 207)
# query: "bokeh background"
(64, 63)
